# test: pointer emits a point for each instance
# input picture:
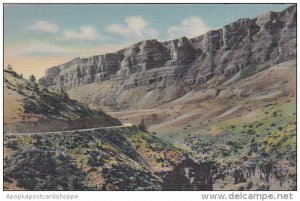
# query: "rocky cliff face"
(247, 44)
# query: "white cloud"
(135, 27)
(189, 27)
(84, 33)
(45, 26)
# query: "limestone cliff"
(249, 45)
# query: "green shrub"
(247, 72)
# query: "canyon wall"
(246, 45)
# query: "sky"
(38, 36)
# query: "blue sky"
(39, 36)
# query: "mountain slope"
(241, 99)
(29, 107)
(102, 159)
(252, 120)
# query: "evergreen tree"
(32, 78)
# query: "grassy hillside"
(203, 107)
(259, 125)
(28, 107)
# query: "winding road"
(127, 125)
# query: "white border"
(134, 196)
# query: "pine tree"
(32, 78)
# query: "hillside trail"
(126, 125)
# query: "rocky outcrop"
(253, 44)
(82, 71)
(189, 176)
